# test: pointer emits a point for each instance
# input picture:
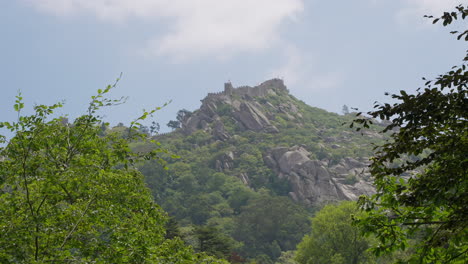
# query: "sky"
(329, 53)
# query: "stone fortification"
(247, 91)
(240, 104)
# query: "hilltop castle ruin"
(260, 90)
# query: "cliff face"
(308, 148)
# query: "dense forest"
(253, 176)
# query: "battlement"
(216, 94)
(256, 91)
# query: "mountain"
(269, 111)
(249, 148)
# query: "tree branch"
(78, 222)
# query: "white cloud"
(416, 9)
(301, 73)
(195, 27)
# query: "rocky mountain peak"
(242, 104)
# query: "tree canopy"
(333, 238)
(421, 172)
(269, 225)
(68, 194)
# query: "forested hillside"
(255, 163)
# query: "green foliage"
(263, 259)
(351, 179)
(69, 195)
(287, 257)
(333, 238)
(213, 242)
(431, 203)
(223, 109)
(269, 225)
(172, 229)
(173, 124)
(183, 115)
(199, 138)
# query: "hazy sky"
(329, 53)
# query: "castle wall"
(256, 91)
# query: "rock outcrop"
(312, 182)
(241, 104)
(251, 117)
(219, 132)
(225, 162)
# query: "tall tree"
(69, 195)
(183, 114)
(333, 238)
(428, 145)
(270, 224)
(213, 242)
(173, 124)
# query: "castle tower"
(228, 88)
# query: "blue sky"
(329, 53)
